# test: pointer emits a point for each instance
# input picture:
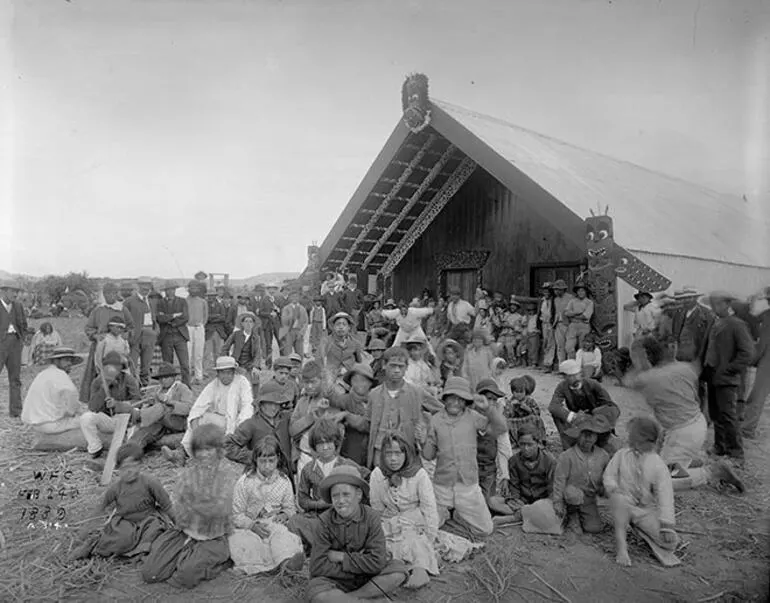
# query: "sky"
(162, 137)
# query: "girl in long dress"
(401, 491)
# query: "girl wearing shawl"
(401, 491)
(44, 342)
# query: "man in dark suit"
(269, 315)
(294, 320)
(145, 333)
(13, 329)
(172, 317)
(729, 352)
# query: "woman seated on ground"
(263, 502)
(401, 491)
(141, 511)
(44, 342)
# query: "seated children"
(263, 502)
(577, 479)
(311, 406)
(521, 410)
(402, 492)
(349, 559)
(639, 486)
(419, 372)
(589, 357)
(376, 349)
(271, 418)
(493, 452)
(140, 502)
(450, 358)
(354, 403)
(451, 441)
(531, 470)
(197, 549)
(477, 364)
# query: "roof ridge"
(503, 122)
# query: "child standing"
(521, 410)
(377, 348)
(493, 452)
(317, 320)
(477, 364)
(354, 404)
(640, 489)
(589, 357)
(263, 503)
(140, 502)
(450, 357)
(402, 492)
(113, 341)
(451, 441)
(418, 372)
(338, 353)
(578, 476)
(530, 470)
(512, 327)
(197, 549)
(533, 334)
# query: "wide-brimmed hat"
(376, 344)
(581, 285)
(63, 352)
(569, 367)
(117, 321)
(282, 362)
(545, 285)
(459, 387)
(272, 392)
(273, 286)
(686, 293)
(489, 385)
(664, 300)
(225, 363)
(415, 339)
(113, 358)
(342, 474)
(559, 284)
(640, 293)
(359, 368)
(449, 343)
(110, 286)
(166, 369)
(11, 285)
(718, 294)
(294, 357)
(339, 315)
(597, 423)
(241, 317)
(169, 285)
(144, 281)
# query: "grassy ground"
(725, 556)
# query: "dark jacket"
(267, 306)
(352, 301)
(530, 484)
(587, 399)
(123, 389)
(237, 340)
(239, 447)
(729, 351)
(137, 308)
(170, 325)
(16, 318)
(309, 493)
(690, 332)
(217, 319)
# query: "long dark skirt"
(130, 538)
(184, 561)
(88, 375)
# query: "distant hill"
(270, 277)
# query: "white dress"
(409, 518)
(255, 498)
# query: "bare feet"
(623, 559)
(417, 579)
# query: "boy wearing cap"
(172, 317)
(51, 405)
(270, 418)
(113, 392)
(113, 341)
(576, 396)
(349, 560)
(145, 333)
(166, 410)
(452, 442)
(340, 352)
(281, 374)
(577, 479)
(216, 324)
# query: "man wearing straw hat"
(13, 330)
(145, 333)
(51, 405)
(690, 325)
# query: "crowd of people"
(386, 439)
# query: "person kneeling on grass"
(263, 502)
(577, 479)
(142, 509)
(402, 492)
(531, 471)
(452, 442)
(197, 549)
(640, 489)
(349, 559)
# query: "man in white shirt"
(459, 314)
(646, 314)
(13, 329)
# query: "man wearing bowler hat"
(13, 329)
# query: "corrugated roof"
(651, 211)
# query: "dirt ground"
(726, 552)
